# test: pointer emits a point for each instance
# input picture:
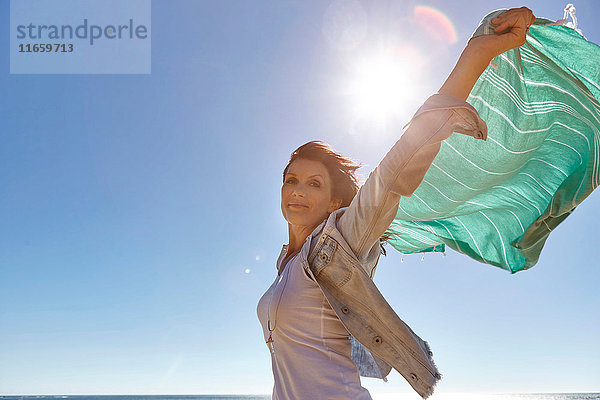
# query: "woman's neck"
(296, 237)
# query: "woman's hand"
(511, 31)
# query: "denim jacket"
(341, 254)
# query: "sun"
(382, 84)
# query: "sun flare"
(382, 85)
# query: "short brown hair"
(341, 169)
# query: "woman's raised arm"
(403, 168)
(512, 29)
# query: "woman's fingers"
(506, 14)
(515, 19)
(511, 32)
(512, 11)
(503, 26)
(503, 20)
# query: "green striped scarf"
(497, 201)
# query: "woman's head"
(316, 182)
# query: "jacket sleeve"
(403, 168)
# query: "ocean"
(382, 396)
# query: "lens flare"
(345, 24)
(383, 83)
(436, 24)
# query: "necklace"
(270, 339)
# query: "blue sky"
(133, 204)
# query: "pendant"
(270, 344)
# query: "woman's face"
(306, 194)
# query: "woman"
(323, 301)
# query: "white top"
(312, 357)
